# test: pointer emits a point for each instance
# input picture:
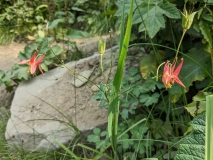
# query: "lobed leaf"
(192, 146)
(150, 15)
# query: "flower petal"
(40, 69)
(179, 82)
(24, 62)
(177, 71)
(33, 68)
(33, 58)
(166, 78)
(40, 59)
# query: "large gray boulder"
(58, 104)
(50, 107)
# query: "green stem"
(181, 39)
(101, 66)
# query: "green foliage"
(20, 73)
(193, 145)
(198, 105)
(133, 92)
(150, 15)
(192, 71)
(209, 126)
(21, 18)
(130, 144)
(99, 138)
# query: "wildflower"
(34, 63)
(170, 74)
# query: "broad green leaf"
(198, 105)
(203, 26)
(196, 108)
(41, 34)
(125, 113)
(57, 50)
(192, 146)
(93, 138)
(72, 34)
(149, 100)
(55, 22)
(43, 47)
(148, 65)
(96, 131)
(126, 143)
(207, 17)
(150, 15)
(127, 6)
(28, 52)
(77, 9)
(20, 72)
(191, 71)
(160, 128)
(44, 67)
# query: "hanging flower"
(34, 63)
(170, 74)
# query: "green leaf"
(20, 72)
(43, 47)
(55, 22)
(96, 131)
(44, 67)
(93, 138)
(127, 6)
(57, 50)
(72, 34)
(113, 111)
(203, 26)
(191, 71)
(28, 52)
(148, 65)
(207, 17)
(149, 100)
(152, 13)
(192, 146)
(125, 142)
(198, 106)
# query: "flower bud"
(101, 47)
(187, 19)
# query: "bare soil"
(8, 57)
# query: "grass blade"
(114, 102)
(209, 128)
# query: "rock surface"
(9, 56)
(47, 107)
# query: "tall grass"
(114, 101)
(209, 128)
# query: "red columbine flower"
(170, 75)
(33, 62)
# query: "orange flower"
(34, 63)
(170, 74)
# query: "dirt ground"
(9, 54)
(8, 57)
